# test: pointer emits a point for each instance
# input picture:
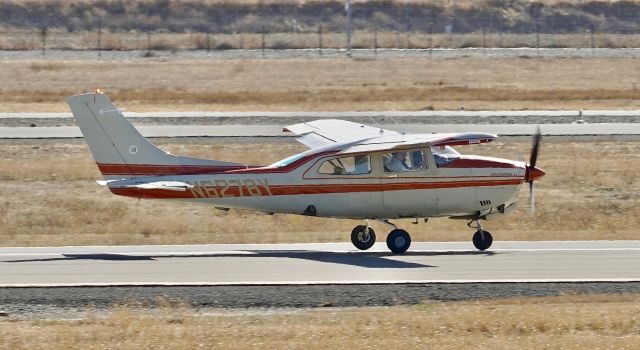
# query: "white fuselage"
(468, 186)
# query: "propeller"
(533, 173)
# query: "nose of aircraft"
(533, 173)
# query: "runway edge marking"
(312, 283)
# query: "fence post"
(537, 38)
(484, 43)
(43, 35)
(264, 41)
(320, 39)
(348, 8)
(99, 44)
(375, 42)
(408, 28)
(593, 39)
(148, 44)
(430, 40)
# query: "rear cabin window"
(352, 165)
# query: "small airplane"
(351, 171)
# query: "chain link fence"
(44, 39)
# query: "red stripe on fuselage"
(479, 163)
(154, 169)
(292, 190)
(159, 169)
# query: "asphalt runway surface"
(64, 132)
(64, 282)
(269, 124)
(329, 263)
(8, 119)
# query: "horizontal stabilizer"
(177, 186)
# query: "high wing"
(325, 132)
(364, 138)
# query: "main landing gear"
(363, 237)
(398, 240)
(481, 239)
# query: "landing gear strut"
(481, 239)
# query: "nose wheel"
(481, 239)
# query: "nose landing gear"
(481, 239)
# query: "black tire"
(480, 242)
(360, 239)
(398, 241)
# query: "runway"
(320, 264)
(276, 130)
(284, 115)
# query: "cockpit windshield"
(444, 155)
(287, 161)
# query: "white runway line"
(317, 282)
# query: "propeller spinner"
(533, 173)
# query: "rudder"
(121, 151)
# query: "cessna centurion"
(351, 171)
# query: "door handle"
(394, 175)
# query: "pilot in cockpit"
(397, 162)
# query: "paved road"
(276, 130)
(333, 263)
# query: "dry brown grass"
(327, 84)
(48, 197)
(564, 322)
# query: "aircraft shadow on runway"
(378, 260)
(97, 256)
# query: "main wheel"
(398, 241)
(363, 238)
(482, 239)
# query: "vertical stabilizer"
(121, 151)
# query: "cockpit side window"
(351, 165)
(397, 162)
(444, 155)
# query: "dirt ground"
(49, 197)
(326, 84)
